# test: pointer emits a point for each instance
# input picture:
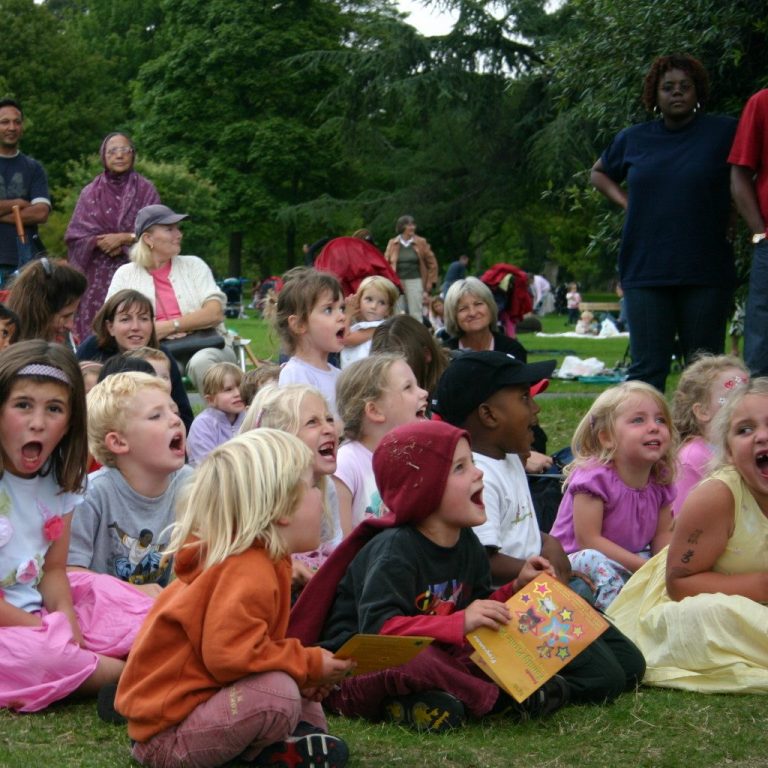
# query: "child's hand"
(334, 670)
(351, 305)
(533, 568)
(151, 590)
(300, 574)
(485, 613)
(537, 463)
(316, 692)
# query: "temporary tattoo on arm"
(686, 558)
(694, 537)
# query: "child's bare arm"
(503, 567)
(663, 534)
(345, 506)
(588, 527)
(552, 550)
(54, 586)
(701, 534)
(11, 616)
(355, 338)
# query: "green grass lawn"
(650, 727)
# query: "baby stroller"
(233, 290)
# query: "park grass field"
(646, 728)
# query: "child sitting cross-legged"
(212, 676)
(222, 419)
(135, 431)
(420, 570)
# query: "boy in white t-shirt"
(490, 394)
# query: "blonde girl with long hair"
(616, 507)
(302, 411)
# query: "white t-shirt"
(296, 371)
(511, 526)
(354, 467)
(28, 508)
(359, 351)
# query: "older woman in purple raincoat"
(101, 229)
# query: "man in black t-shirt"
(23, 182)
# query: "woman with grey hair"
(412, 259)
(182, 290)
(471, 319)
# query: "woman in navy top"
(675, 262)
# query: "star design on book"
(526, 598)
(542, 588)
(545, 652)
(577, 631)
(566, 615)
(563, 653)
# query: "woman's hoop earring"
(697, 107)
(656, 109)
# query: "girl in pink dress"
(616, 507)
(60, 633)
(701, 392)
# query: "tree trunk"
(290, 246)
(235, 254)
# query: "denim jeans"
(756, 315)
(694, 314)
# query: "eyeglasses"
(120, 151)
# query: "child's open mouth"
(328, 450)
(477, 498)
(762, 463)
(31, 453)
(177, 443)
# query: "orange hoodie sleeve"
(245, 622)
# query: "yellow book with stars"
(550, 625)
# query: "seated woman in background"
(101, 229)
(181, 289)
(45, 295)
(124, 323)
(472, 320)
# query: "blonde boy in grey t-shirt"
(134, 430)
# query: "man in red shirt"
(749, 187)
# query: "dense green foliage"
(278, 124)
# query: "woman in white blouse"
(182, 290)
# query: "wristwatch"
(176, 325)
(758, 238)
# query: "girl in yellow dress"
(697, 609)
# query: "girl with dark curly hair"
(675, 262)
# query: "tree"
(60, 83)
(224, 96)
